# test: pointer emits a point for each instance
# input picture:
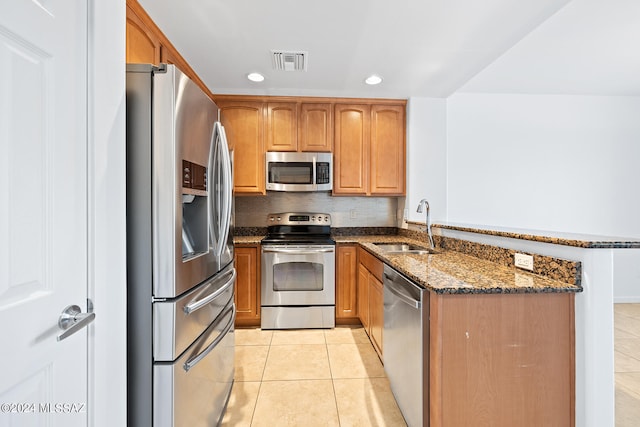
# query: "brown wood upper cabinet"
(315, 127)
(147, 44)
(244, 124)
(143, 45)
(295, 126)
(388, 151)
(282, 126)
(370, 149)
(351, 148)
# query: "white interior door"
(43, 210)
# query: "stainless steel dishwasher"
(406, 345)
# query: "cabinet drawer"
(373, 264)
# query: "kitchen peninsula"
(500, 340)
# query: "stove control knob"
(278, 219)
(313, 218)
(271, 218)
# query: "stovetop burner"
(291, 228)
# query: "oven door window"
(291, 173)
(298, 276)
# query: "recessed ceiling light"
(255, 77)
(373, 80)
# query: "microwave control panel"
(323, 173)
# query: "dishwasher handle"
(395, 288)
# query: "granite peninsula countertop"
(448, 272)
(451, 272)
(554, 237)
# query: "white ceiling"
(590, 47)
(427, 48)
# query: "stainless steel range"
(298, 272)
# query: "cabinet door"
(142, 45)
(363, 297)
(247, 292)
(388, 152)
(346, 277)
(282, 126)
(244, 123)
(376, 313)
(315, 127)
(351, 148)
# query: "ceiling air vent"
(289, 61)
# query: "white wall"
(545, 162)
(107, 221)
(427, 157)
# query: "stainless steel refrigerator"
(180, 278)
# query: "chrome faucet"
(424, 203)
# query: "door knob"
(72, 320)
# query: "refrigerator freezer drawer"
(178, 323)
(193, 390)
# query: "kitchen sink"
(404, 248)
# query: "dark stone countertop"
(451, 272)
(553, 237)
(447, 272)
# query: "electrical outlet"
(523, 281)
(353, 214)
(524, 261)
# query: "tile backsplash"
(252, 211)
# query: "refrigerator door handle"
(212, 192)
(190, 308)
(194, 360)
(228, 188)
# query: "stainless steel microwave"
(287, 171)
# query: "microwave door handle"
(315, 172)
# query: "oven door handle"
(194, 360)
(188, 309)
(298, 251)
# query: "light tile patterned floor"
(627, 364)
(306, 378)
(334, 378)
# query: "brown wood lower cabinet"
(346, 276)
(247, 295)
(363, 296)
(370, 297)
(491, 359)
(502, 360)
(376, 313)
